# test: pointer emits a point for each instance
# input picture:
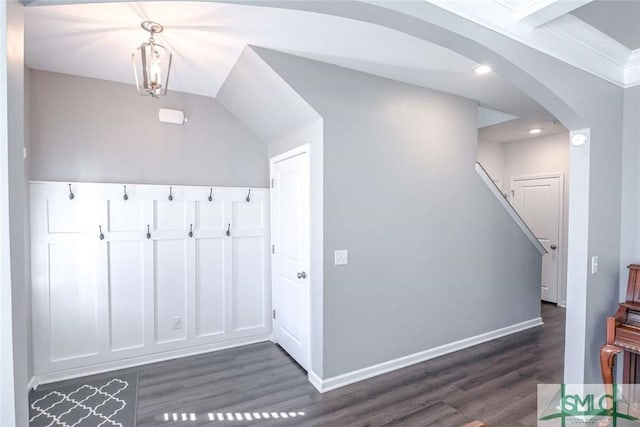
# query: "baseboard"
(332, 383)
(32, 384)
(67, 374)
(315, 381)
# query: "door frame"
(304, 148)
(562, 284)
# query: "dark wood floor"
(493, 382)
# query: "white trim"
(632, 69)
(315, 381)
(332, 383)
(539, 12)
(119, 185)
(142, 360)
(538, 176)
(577, 259)
(304, 148)
(510, 209)
(32, 384)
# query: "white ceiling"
(619, 19)
(96, 40)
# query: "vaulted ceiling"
(96, 40)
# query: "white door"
(539, 203)
(290, 239)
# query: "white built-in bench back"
(119, 282)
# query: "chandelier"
(151, 63)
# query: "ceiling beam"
(538, 12)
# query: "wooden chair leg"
(608, 355)
(607, 361)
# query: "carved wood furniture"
(623, 334)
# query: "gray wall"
(630, 236)
(98, 131)
(547, 154)
(399, 187)
(262, 100)
(587, 102)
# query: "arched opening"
(528, 71)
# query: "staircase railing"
(509, 208)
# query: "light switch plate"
(341, 257)
(594, 265)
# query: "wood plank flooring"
(494, 382)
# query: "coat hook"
(101, 234)
(248, 199)
(229, 230)
(148, 231)
(71, 195)
(190, 230)
(170, 193)
(211, 195)
(125, 197)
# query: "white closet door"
(291, 234)
(539, 202)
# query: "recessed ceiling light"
(482, 69)
(579, 139)
(535, 131)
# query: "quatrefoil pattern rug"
(105, 402)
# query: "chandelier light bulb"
(151, 63)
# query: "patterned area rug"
(104, 402)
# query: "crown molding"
(566, 38)
(632, 70)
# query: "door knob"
(553, 247)
(302, 275)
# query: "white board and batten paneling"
(148, 290)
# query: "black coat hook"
(71, 195)
(211, 195)
(228, 233)
(170, 193)
(190, 230)
(248, 199)
(125, 197)
(101, 234)
(148, 231)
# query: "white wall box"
(125, 299)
